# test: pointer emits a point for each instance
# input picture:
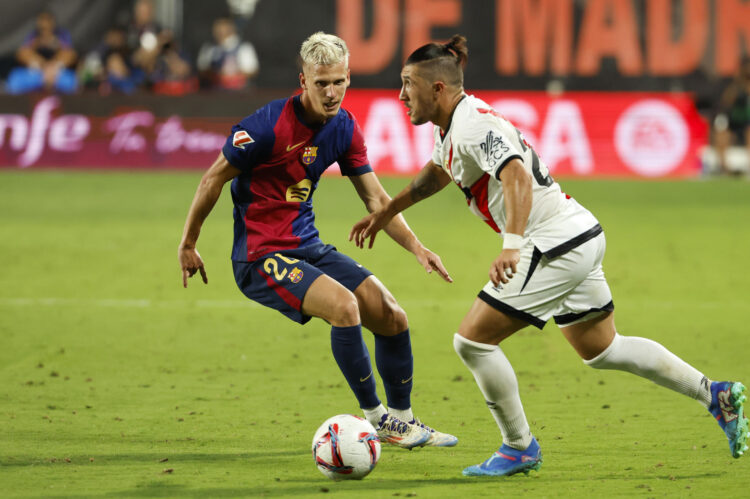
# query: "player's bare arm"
(430, 180)
(518, 194)
(376, 200)
(208, 192)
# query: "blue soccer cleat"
(508, 461)
(727, 402)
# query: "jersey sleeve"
(491, 149)
(354, 161)
(436, 147)
(248, 144)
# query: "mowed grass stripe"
(109, 367)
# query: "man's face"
(223, 29)
(45, 23)
(325, 87)
(417, 95)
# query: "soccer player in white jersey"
(550, 265)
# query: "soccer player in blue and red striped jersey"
(275, 158)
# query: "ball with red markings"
(346, 447)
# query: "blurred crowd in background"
(136, 55)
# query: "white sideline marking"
(147, 303)
(123, 303)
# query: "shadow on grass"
(173, 457)
(353, 488)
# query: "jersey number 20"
(542, 179)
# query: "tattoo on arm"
(424, 185)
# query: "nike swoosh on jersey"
(405, 381)
(295, 146)
(365, 378)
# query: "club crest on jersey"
(296, 275)
(241, 139)
(309, 154)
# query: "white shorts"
(570, 287)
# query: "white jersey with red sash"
(478, 144)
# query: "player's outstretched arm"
(430, 180)
(518, 195)
(205, 198)
(385, 214)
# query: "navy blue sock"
(396, 367)
(351, 355)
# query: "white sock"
(497, 381)
(375, 414)
(652, 361)
(404, 415)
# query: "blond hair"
(324, 49)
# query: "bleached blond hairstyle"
(324, 49)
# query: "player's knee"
(345, 311)
(397, 321)
(461, 346)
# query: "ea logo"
(651, 137)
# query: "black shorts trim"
(575, 242)
(507, 309)
(536, 257)
(568, 318)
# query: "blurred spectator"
(46, 59)
(228, 63)
(732, 124)
(110, 66)
(171, 72)
(143, 35)
(154, 52)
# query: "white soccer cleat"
(437, 439)
(396, 432)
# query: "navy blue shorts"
(280, 279)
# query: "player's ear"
(348, 77)
(438, 88)
(302, 80)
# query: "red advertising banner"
(580, 134)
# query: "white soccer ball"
(346, 447)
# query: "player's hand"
(504, 266)
(368, 227)
(190, 263)
(431, 261)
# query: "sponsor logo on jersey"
(296, 275)
(309, 154)
(299, 192)
(494, 148)
(241, 139)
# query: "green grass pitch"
(116, 382)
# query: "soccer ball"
(346, 447)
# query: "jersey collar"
(450, 121)
(300, 113)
